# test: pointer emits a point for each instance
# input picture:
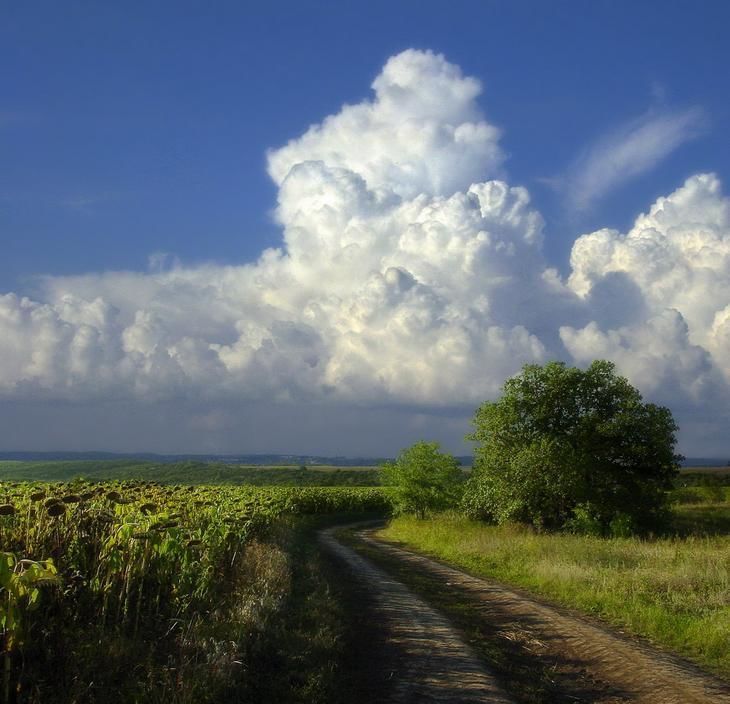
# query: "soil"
(490, 643)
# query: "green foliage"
(423, 479)
(701, 519)
(701, 494)
(565, 447)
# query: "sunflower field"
(137, 591)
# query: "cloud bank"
(410, 275)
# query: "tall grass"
(673, 591)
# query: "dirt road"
(583, 661)
(431, 663)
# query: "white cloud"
(422, 134)
(394, 259)
(678, 254)
(676, 262)
(627, 152)
(410, 275)
(656, 354)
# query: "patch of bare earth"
(576, 659)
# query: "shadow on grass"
(702, 519)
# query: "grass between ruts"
(673, 591)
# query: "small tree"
(565, 447)
(423, 479)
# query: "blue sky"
(414, 272)
(133, 128)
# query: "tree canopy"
(423, 479)
(565, 447)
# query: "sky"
(337, 228)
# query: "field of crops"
(135, 591)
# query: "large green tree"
(423, 479)
(571, 447)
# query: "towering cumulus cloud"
(409, 274)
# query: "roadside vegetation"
(423, 479)
(561, 449)
(570, 448)
(672, 590)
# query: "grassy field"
(703, 476)
(673, 591)
(187, 473)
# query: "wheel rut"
(431, 663)
(589, 662)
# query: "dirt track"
(432, 664)
(589, 662)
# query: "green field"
(187, 473)
(703, 476)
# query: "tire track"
(433, 664)
(631, 671)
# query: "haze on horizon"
(407, 276)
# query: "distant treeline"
(271, 460)
(244, 459)
(210, 472)
(187, 472)
(251, 459)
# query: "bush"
(423, 480)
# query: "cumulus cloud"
(410, 275)
(676, 262)
(422, 133)
(678, 254)
(657, 354)
(627, 152)
(400, 278)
